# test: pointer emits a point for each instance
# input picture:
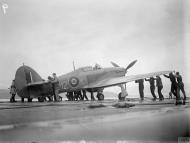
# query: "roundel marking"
(74, 81)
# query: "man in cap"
(160, 87)
(174, 87)
(55, 84)
(152, 86)
(141, 88)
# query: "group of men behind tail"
(177, 85)
(55, 89)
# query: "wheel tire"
(100, 96)
(121, 98)
(22, 99)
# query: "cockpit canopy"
(90, 68)
(87, 68)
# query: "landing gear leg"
(122, 95)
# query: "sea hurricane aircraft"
(29, 84)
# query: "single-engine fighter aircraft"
(29, 83)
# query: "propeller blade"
(131, 64)
(114, 64)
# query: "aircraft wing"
(121, 80)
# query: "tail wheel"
(120, 97)
(100, 96)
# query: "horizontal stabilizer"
(37, 83)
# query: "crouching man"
(13, 91)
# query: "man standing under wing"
(181, 85)
(152, 86)
(55, 83)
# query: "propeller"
(130, 65)
(114, 64)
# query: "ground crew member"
(92, 96)
(55, 83)
(141, 88)
(160, 87)
(174, 87)
(84, 94)
(173, 83)
(13, 91)
(70, 96)
(50, 97)
(80, 95)
(77, 95)
(181, 85)
(152, 86)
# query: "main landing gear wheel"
(100, 96)
(120, 97)
(41, 99)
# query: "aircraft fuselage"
(83, 77)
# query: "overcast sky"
(49, 34)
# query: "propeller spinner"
(128, 67)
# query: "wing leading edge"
(121, 80)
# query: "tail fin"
(23, 76)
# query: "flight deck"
(76, 121)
